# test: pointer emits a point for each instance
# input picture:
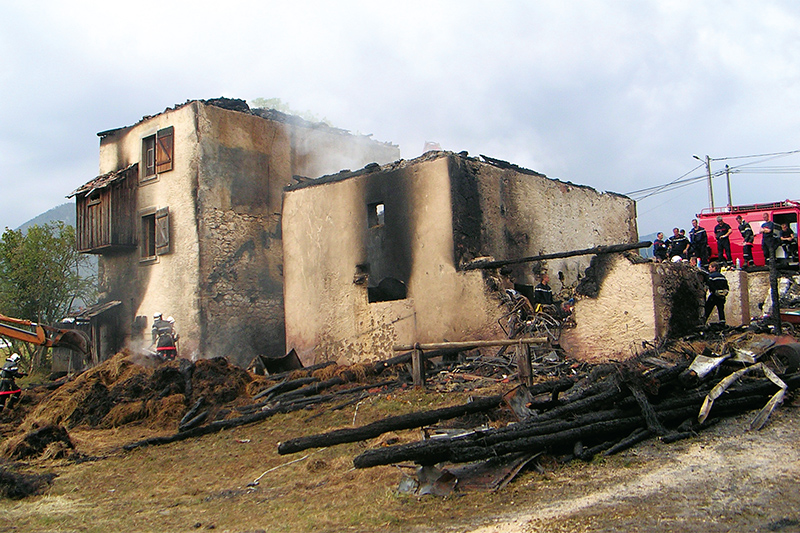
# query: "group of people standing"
(695, 247)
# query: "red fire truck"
(787, 211)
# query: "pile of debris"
(671, 394)
(128, 388)
(568, 410)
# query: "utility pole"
(710, 188)
(728, 178)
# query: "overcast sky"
(617, 95)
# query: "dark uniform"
(699, 239)
(660, 249)
(747, 242)
(789, 243)
(768, 241)
(677, 246)
(717, 293)
(722, 233)
(9, 391)
(543, 294)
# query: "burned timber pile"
(570, 411)
(607, 410)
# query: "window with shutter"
(162, 231)
(158, 153)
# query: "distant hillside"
(647, 252)
(64, 212)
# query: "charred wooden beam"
(468, 345)
(494, 443)
(263, 414)
(395, 423)
(285, 386)
(613, 248)
(410, 421)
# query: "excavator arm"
(27, 331)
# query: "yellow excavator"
(41, 335)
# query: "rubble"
(570, 410)
(667, 393)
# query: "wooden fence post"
(418, 367)
(523, 357)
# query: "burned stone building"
(374, 258)
(185, 216)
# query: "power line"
(682, 181)
(752, 156)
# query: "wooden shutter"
(162, 231)
(165, 146)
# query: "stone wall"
(440, 209)
(328, 268)
(246, 162)
(737, 304)
(525, 214)
(168, 283)
(636, 304)
(222, 280)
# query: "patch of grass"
(208, 480)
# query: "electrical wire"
(746, 168)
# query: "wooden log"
(523, 357)
(638, 435)
(193, 422)
(322, 398)
(191, 413)
(491, 444)
(285, 386)
(213, 427)
(418, 368)
(395, 423)
(613, 248)
(314, 388)
(424, 417)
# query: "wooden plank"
(613, 248)
(466, 345)
(418, 368)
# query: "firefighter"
(9, 391)
(717, 292)
(164, 337)
(747, 240)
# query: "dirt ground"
(725, 479)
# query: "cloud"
(617, 95)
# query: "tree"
(41, 275)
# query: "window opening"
(375, 214)
(93, 198)
(158, 152)
(149, 156)
(155, 239)
(388, 289)
(148, 246)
